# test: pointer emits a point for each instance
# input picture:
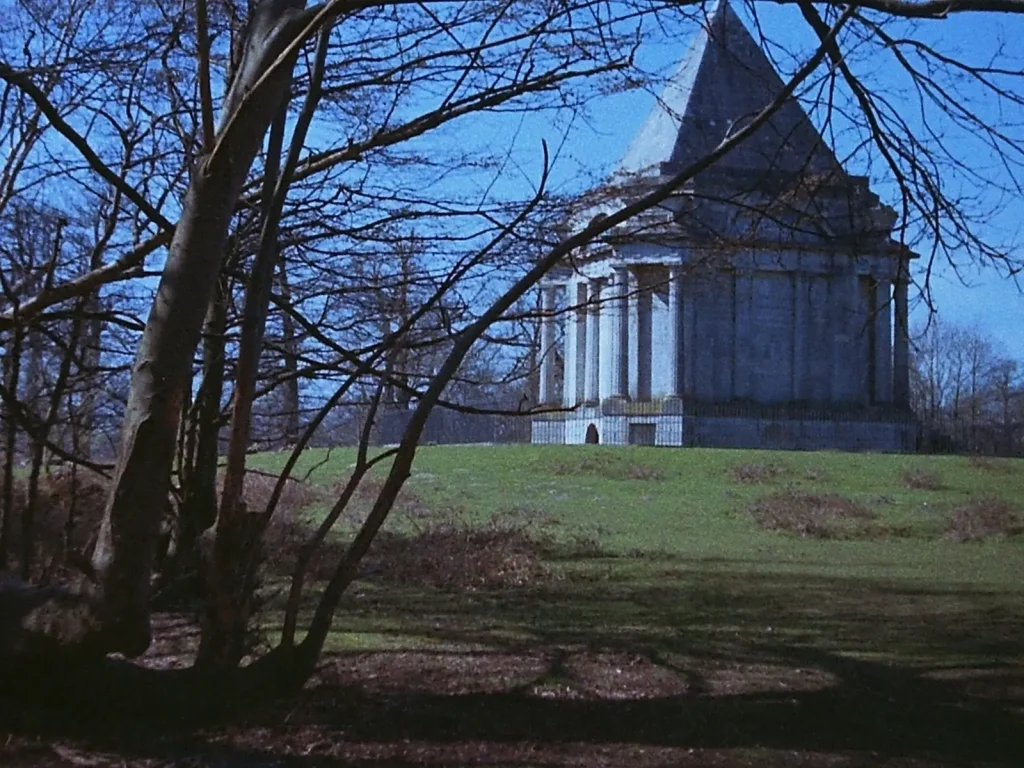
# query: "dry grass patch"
(459, 557)
(750, 474)
(444, 553)
(989, 464)
(984, 518)
(920, 479)
(824, 516)
(608, 467)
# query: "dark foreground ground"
(476, 697)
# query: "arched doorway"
(592, 437)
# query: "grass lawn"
(674, 625)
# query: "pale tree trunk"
(126, 547)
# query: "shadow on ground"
(690, 668)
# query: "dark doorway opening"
(642, 434)
(592, 437)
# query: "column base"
(672, 405)
(614, 405)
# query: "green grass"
(694, 509)
(683, 566)
(899, 648)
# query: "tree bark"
(126, 547)
(199, 509)
(235, 555)
(290, 358)
(12, 376)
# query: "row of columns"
(593, 346)
(603, 335)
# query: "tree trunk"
(12, 376)
(290, 347)
(125, 551)
(199, 509)
(239, 534)
(235, 553)
(90, 378)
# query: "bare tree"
(265, 195)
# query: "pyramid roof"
(724, 80)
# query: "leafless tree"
(307, 149)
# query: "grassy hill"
(694, 505)
(662, 550)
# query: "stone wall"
(846, 432)
(799, 434)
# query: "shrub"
(294, 496)
(826, 516)
(444, 551)
(456, 556)
(982, 519)
(56, 533)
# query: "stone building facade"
(764, 305)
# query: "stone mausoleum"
(762, 305)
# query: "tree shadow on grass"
(722, 668)
(872, 709)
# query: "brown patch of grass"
(989, 464)
(457, 557)
(748, 474)
(984, 518)
(825, 516)
(920, 479)
(445, 552)
(606, 466)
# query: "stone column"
(547, 395)
(901, 349)
(747, 377)
(571, 345)
(619, 343)
(674, 331)
(633, 335)
(578, 362)
(883, 341)
(592, 350)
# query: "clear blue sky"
(990, 301)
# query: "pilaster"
(592, 379)
(883, 341)
(547, 394)
(675, 331)
(901, 349)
